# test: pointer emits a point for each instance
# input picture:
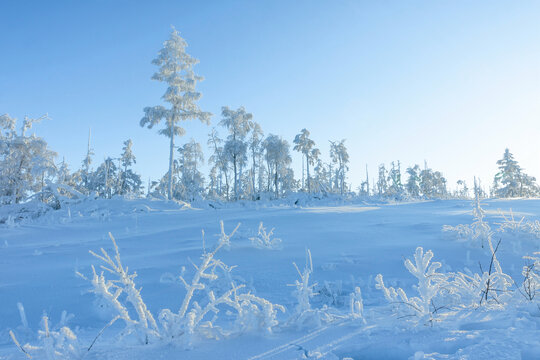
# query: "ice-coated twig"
(22, 314)
(304, 290)
(102, 330)
(12, 335)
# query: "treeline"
(244, 163)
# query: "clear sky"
(449, 82)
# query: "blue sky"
(449, 82)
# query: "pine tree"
(175, 69)
(130, 182)
(85, 172)
(511, 180)
(105, 178)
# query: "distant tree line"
(243, 164)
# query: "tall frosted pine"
(175, 69)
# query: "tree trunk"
(308, 180)
(171, 164)
(276, 182)
(235, 179)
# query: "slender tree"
(176, 70)
(340, 156)
(303, 144)
(238, 123)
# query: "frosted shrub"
(54, 345)
(478, 231)
(264, 239)
(303, 292)
(492, 287)
(510, 224)
(305, 316)
(356, 304)
(430, 284)
(519, 227)
(531, 275)
(193, 320)
(442, 294)
(111, 291)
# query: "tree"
(395, 189)
(85, 171)
(176, 70)
(219, 170)
(191, 183)
(340, 156)
(305, 145)
(25, 161)
(432, 184)
(511, 180)
(278, 160)
(238, 123)
(255, 142)
(462, 190)
(382, 184)
(104, 179)
(413, 181)
(130, 182)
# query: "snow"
(349, 245)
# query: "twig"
(18, 344)
(102, 330)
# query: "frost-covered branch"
(111, 290)
(264, 239)
(430, 284)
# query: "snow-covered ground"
(349, 244)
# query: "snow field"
(349, 246)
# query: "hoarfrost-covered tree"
(413, 181)
(340, 157)
(255, 147)
(85, 171)
(432, 184)
(511, 181)
(382, 184)
(176, 70)
(238, 123)
(395, 190)
(305, 145)
(219, 171)
(105, 178)
(25, 161)
(462, 190)
(191, 184)
(278, 160)
(130, 182)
